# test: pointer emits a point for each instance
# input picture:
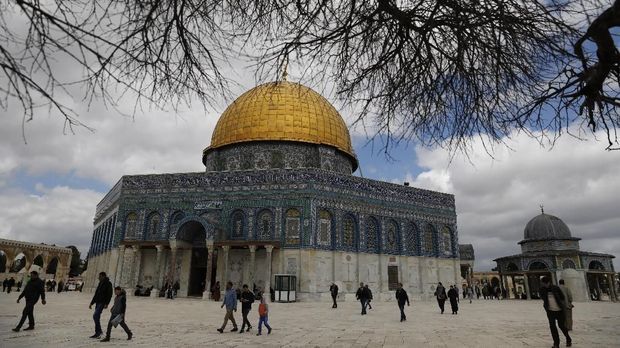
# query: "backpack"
(262, 309)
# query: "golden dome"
(282, 111)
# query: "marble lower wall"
(316, 269)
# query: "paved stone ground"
(66, 321)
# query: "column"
(118, 276)
(268, 282)
(252, 265)
(554, 278)
(526, 282)
(225, 249)
(173, 262)
(514, 286)
(137, 267)
(205, 294)
(380, 266)
(160, 250)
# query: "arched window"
(429, 239)
(293, 225)
(177, 217)
(596, 265)
(348, 232)
(153, 225)
(568, 263)
(131, 225)
(446, 239)
(324, 234)
(391, 236)
(537, 266)
(372, 234)
(411, 239)
(237, 224)
(265, 225)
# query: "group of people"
(557, 302)
(452, 295)
(8, 284)
(247, 298)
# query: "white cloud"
(59, 215)
(496, 197)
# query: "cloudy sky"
(50, 186)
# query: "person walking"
(117, 316)
(101, 299)
(362, 296)
(369, 298)
(554, 304)
(568, 305)
(4, 284)
(453, 295)
(247, 298)
(470, 293)
(440, 294)
(263, 316)
(215, 291)
(34, 289)
(402, 298)
(333, 289)
(230, 301)
(10, 285)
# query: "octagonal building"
(278, 197)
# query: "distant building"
(18, 258)
(548, 248)
(466, 253)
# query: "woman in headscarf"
(454, 299)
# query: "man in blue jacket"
(101, 299)
(34, 289)
(230, 301)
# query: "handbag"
(117, 320)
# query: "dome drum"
(260, 155)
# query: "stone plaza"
(66, 321)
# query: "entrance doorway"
(192, 232)
(197, 272)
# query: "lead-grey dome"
(545, 226)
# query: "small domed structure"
(545, 227)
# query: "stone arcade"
(278, 196)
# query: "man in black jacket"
(247, 298)
(32, 291)
(402, 298)
(362, 295)
(101, 299)
(553, 301)
(333, 289)
(117, 316)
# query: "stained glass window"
(429, 236)
(131, 225)
(446, 237)
(348, 232)
(153, 224)
(265, 222)
(391, 236)
(292, 226)
(412, 237)
(237, 224)
(372, 230)
(325, 228)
